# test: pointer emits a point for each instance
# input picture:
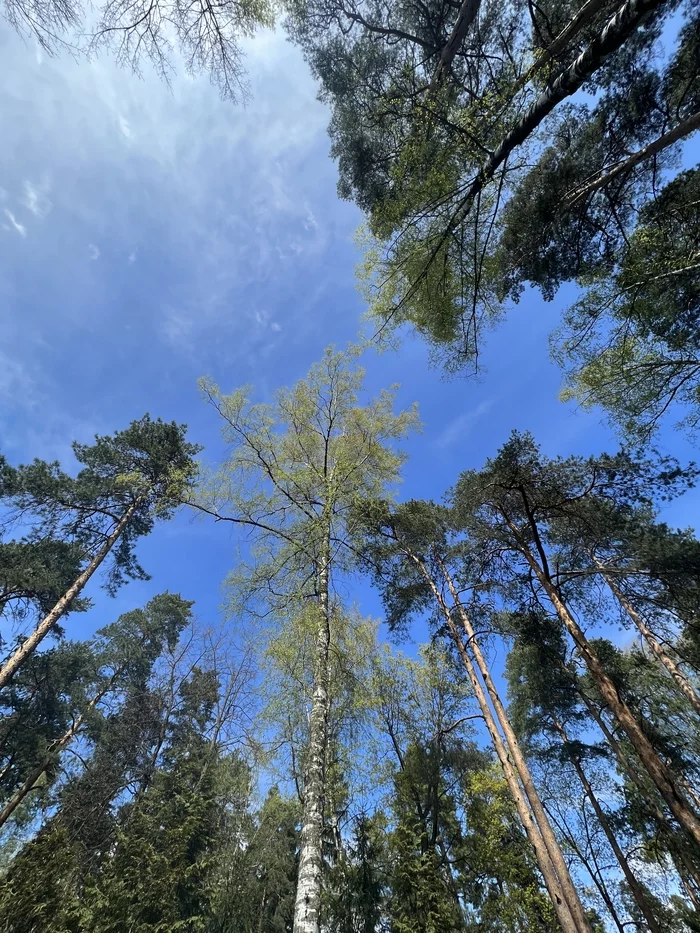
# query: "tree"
(146, 815)
(126, 483)
(507, 508)
(294, 469)
(630, 343)
(206, 36)
(255, 888)
(409, 551)
(456, 132)
(166, 841)
(546, 703)
(120, 660)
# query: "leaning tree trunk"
(532, 831)
(661, 655)
(55, 750)
(661, 775)
(307, 907)
(30, 644)
(613, 35)
(686, 872)
(635, 887)
(550, 841)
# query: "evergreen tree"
(126, 483)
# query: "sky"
(151, 235)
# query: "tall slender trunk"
(686, 871)
(636, 889)
(307, 907)
(660, 653)
(56, 749)
(59, 610)
(595, 875)
(544, 861)
(551, 880)
(550, 841)
(658, 771)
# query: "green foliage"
(479, 177)
(631, 342)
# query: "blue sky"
(152, 235)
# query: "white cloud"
(20, 228)
(93, 251)
(35, 198)
(124, 126)
(310, 223)
(276, 327)
(132, 258)
(459, 427)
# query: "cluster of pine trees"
(535, 768)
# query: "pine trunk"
(29, 645)
(636, 889)
(532, 832)
(55, 750)
(662, 777)
(544, 861)
(307, 907)
(661, 655)
(550, 841)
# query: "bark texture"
(307, 907)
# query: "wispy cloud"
(132, 258)
(460, 426)
(93, 251)
(20, 228)
(36, 199)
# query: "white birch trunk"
(307, 907)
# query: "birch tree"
(295, 467)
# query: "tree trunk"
(661, 655)
(550, 841)
(637, 890)
(532, 832)
(685, 128)
(662, 777)
(595, 875)
(59, 610)
(466, 16)
(544, 861)
(307, 907)
(686, 872)
(56, 750)
(614, 34)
